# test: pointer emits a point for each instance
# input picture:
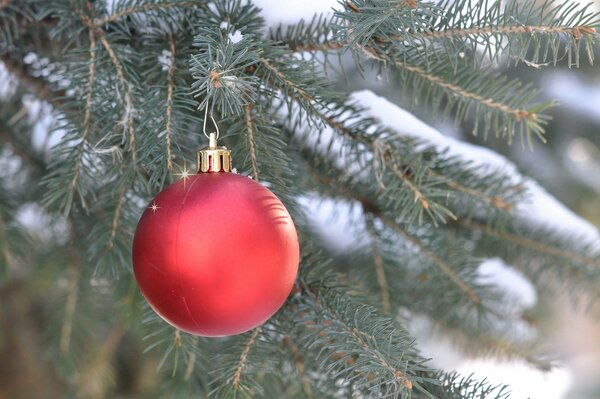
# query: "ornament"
(215, 253)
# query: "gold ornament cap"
(214, 158)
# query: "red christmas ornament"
(216, 253)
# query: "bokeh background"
(568, 166)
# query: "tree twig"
(244, 357)
(250, 137)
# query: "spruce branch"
(496, 201)
(450, 27)
(297, 91)
(455, 386)
(532, 244)
(428, 253)
(180, 348)
(374, 210)
(504, 104)
(350, 340)
(578, 32)
(219, 71)
(519, 114)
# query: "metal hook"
(213, 120)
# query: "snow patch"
(276, 12)
(523, 380)
(339, 223)
(539, 209)
(512, 283)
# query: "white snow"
(289, 12)
(524, 380)
(513, 284)
(339, 223)
(540, 209)
(236, 36)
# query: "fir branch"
(577, 32)
(371, 208)
(169, 107)
(434, 209)
(298, 92)
(512, 28)
(354, 342)
(243, 357)
(250, 138)
(378, 147)
(455, 386)
(401, 174)
(531, 244)
(362, 338)
(495, 201)
(519, 114)
(428, 253)
(378, 263)
(219, 70)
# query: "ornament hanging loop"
(213, 158)
(214, 123)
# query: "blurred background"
(568, 166)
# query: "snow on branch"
(539, 209)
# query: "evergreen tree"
(126, 85)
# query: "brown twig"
(299, 91)
(250, 137)
(244, 356)
(359, 337)
(428, 253)
(530, 244)
(519, 114)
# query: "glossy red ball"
(215, 254)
